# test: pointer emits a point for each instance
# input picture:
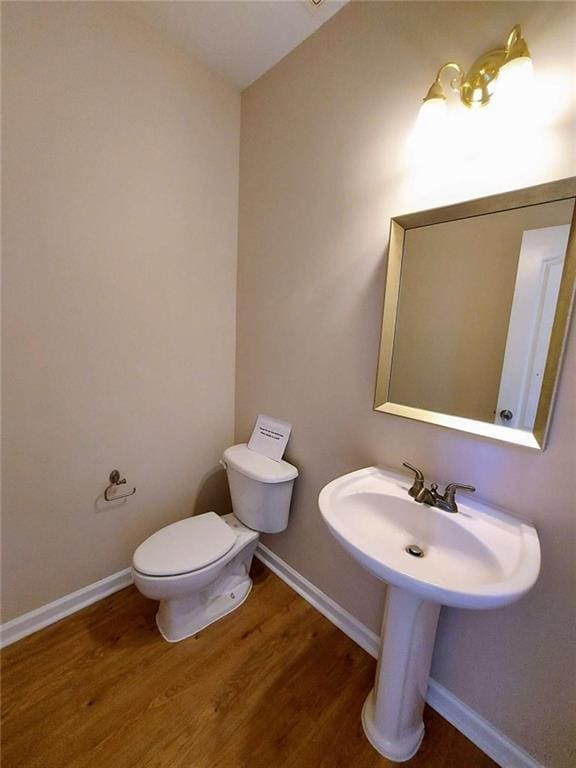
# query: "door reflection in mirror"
(532, 315)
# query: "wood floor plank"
(272, 685)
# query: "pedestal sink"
(478, 557)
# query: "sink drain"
(415, 550)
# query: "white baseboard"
(14, 630)
(480, 732)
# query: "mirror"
(476, 311)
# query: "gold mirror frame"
(543, 193)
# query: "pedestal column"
(392, 713)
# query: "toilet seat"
(185, 546)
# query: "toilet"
(199, 568)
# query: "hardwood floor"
(272, 685)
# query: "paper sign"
(270, 437)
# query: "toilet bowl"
(199, 568)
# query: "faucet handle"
(450, 494)
(418, 483)
(453, 487)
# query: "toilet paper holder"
(115, 481)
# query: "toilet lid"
(185, 546)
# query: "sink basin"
(478, 557)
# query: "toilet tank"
(260, 488)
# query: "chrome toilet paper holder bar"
(115, 481)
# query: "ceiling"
(239, 39)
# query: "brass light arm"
(436, 91)
(514, 36)
(456, 82)
(516, 46)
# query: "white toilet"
(199, 568)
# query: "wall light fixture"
(497, 70)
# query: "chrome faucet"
(431, 496)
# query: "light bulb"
(429, 131)
(515, 79)
(432, 115)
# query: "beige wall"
(120, 238)
(323, 168)
(456, 293)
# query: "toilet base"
(186, 614)
(183, 617)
